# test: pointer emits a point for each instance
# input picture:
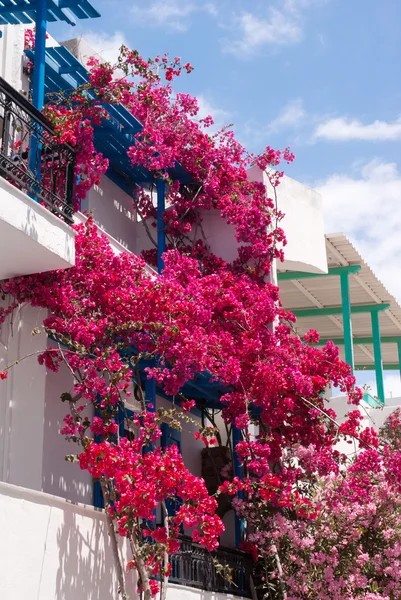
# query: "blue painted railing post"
(161, 234)
(239, 525)
(38, 91)
(374, 315)
(150, 394)
(347, 322)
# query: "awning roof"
(64, 72)
(365, 288)
(15, 12)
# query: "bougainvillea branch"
(107, 315)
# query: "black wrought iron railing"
(30, 156)
(194, 566)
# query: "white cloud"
(366, 207)
(297, 5)
(172, 14)
(106, 46)
(291, 116)
(278, 26)
(341, 129)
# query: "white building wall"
(113, 212)
(12, 56)
(302, 223)
(22, 398)
(56, 550)
(372, 417)
(60, 477)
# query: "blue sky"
(320, 75)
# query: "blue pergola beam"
(117, 134)
(24, 11)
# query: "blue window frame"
(98, 501)
(171, 437)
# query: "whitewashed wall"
(53, 550)
(22, 398)
(372, 417)
(303, 223)
(56, 550)
(113, 212)
(32, 451)
(12, 56)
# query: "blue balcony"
(36, 190)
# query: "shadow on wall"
(31, 227)
(59, 477)
(85, 566)
(54, 550)
(112, 211)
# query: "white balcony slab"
(32, 239)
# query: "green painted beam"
(399, 354)
(389, 339)
(386, 367)
(337, 310)
(377, 350)
(347, 323)
(291, 275)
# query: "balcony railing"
(30, 156)
(193, 566)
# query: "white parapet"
(303, 226)
(52, 549)
(302, 223)
(32, 239)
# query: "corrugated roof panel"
(365, 288)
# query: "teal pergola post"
(347, 322)
(378, 355)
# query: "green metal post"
(347, 322)
(378, 355)
(399, 355)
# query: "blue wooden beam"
(38, 93)
(239, 524)
(161, 233)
